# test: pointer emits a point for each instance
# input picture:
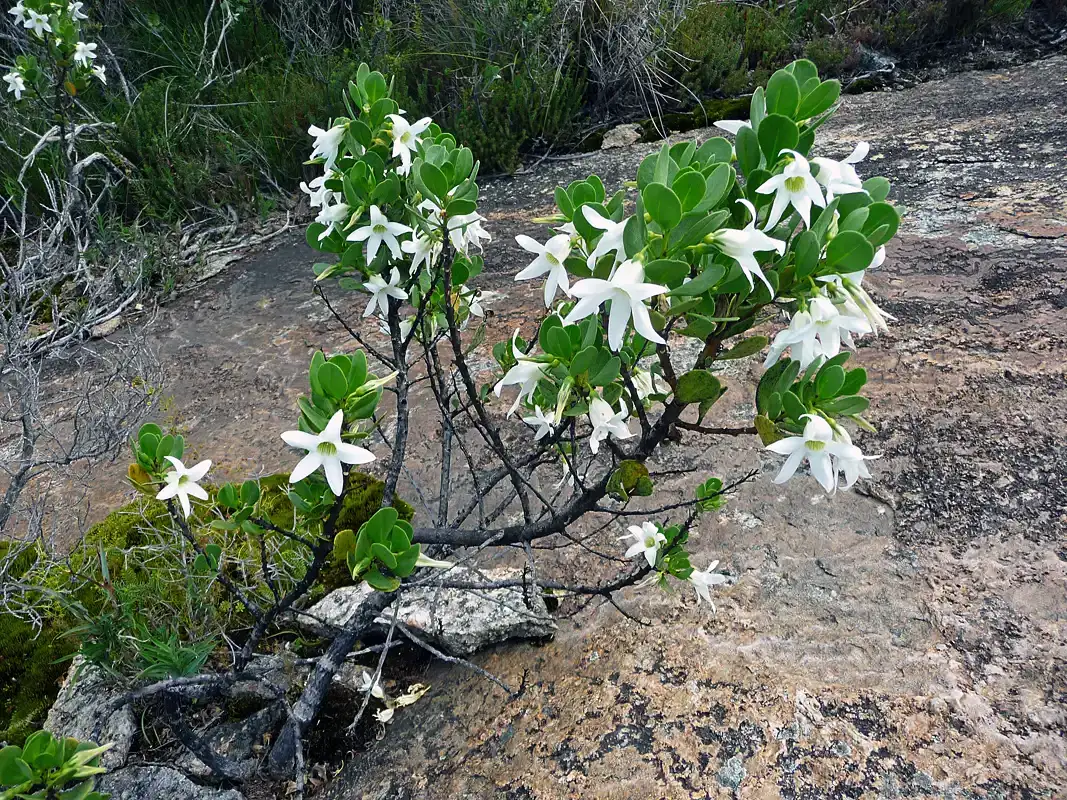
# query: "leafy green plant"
(48, 768)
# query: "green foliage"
(32, 663)
(46, 767)
(363, 498)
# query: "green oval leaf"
(662, 204)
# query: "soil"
(907, 639)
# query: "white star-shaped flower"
(851, 463)
(466, 230)
(627, 292)
(612, 238)
(542, 422)
(332, 217)
(76, 12)
(183, 482)
(100, 73)
(732, 126)
(525, 374)
(816, 331)
(326, 451)
(839, 177)
(37, 22)
(550, 258)
(327, 143)
(423, 250)
(15, 84)
(379, 231)
(19, 12)
(606, 422)
(816, 446)
(381, 291)
(84, 53)
(703, 580)
(405, 137)
(742, 245)
(796, 187)
(648, 539)
(318, 194)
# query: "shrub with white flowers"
(67, 64)
(647, 292)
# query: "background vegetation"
(215, 96)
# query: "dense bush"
(506, 76)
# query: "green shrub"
(728, 48)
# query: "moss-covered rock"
(33, 662)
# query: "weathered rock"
(241, 741)
(158, 783)
(83, 710)
(459, 621)
(621, 136)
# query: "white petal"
(351, 454)
(790, 466)
(307, 465)
(167, 491)
(334, 475)
(333, 427)
(198, 472)
(196, 490)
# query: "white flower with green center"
(851, 463)
(381, 290)
(405, 137)
(15, 84)
(318, 194)
(525, 374)
(839, 177)
(37, 22)
(542, 421)
(466, 230)
(606, 422)
(610, 241)
(332, 217)
(84, 53)
(327, 143)
(19, 12)
(423, 250)
(742, 245)
(818, 447)
(76, 12)
(550, 258)
(183, 482)
(626, 291)
(648, 539)
(378, 232)
(818, 330)
(326, 451)
(795, 187)
(703, 580)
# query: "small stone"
(621, 136)
(459, 621)
(106, 328)
(83, 711)
(732, 773)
